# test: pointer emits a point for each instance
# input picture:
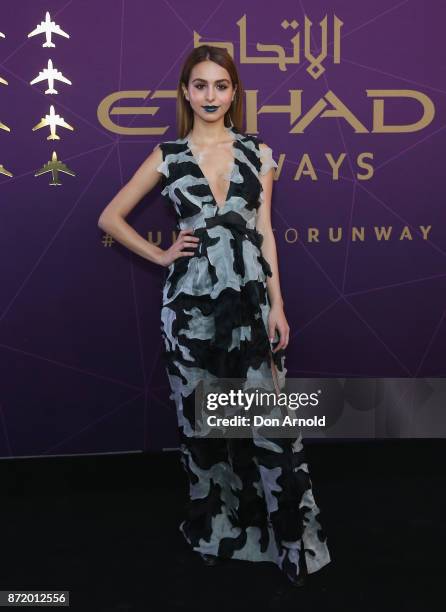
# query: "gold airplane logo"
(48, 28)
(54, 166)
(4, 171)
(52, 120)
(50, 74)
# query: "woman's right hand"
(183, 240)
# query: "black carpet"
(105, 528)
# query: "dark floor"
(106, 529)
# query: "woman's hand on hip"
(183, 241)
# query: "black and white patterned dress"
(249, 499)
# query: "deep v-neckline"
(205, 178)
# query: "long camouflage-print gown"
(250, 498)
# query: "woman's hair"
(185, 114)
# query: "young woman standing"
(223, 316)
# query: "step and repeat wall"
(350, 96)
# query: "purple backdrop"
(81, 355)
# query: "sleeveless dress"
(249, 499)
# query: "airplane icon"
(4, 171)
(54, 166)
(48, 27)
(52, 120)
(50, 73)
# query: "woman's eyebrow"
(217, 81)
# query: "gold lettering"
(330, 106)
(313, 234)
(358, 233)
(305, 161)
(383, 231)
(276, 54)
(331, 234)
(294, 231)
(425, 231)
(315, 68)
(338, 110)
(158, 238)
(378, 110)
(293, 109)
(405, 234)
(335, 165)
(338, 235)
(105, 111)
(368, 175)
(337, 40)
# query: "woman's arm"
(277, 319)
(112, 217)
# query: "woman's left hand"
(277, 320)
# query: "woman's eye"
(200, 86)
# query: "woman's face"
(210, 91)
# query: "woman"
(223, 317)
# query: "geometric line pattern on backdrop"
(115, 145)
(340, 292)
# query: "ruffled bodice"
(229, 252)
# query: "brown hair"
(185, 114)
